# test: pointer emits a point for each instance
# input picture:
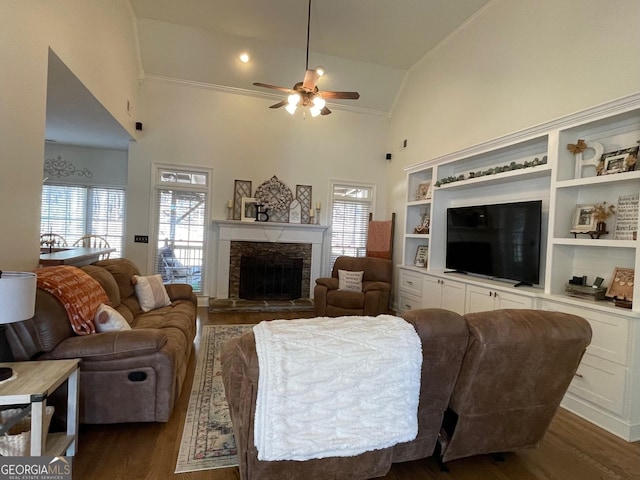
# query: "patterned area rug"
(207, 439)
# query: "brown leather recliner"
(373, 300)
(517, 367)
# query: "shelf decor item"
(581, 146)
(276, 197)
(303, 195)
(600, 213)
(621, 287)
(424, 191)
(248, 210)
(421, 256)
(619, 161)
(241, 189)
(627, 217)
(583, 219)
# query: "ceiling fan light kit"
(306, 94)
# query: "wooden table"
(73, 256)
(35, 381)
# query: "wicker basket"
(17, 442)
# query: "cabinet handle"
(490, 293)
(495, 294)
(579, 375)
(409, 282)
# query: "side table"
(35, 382)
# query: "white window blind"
(350, 219)
(76, 210)
(181, 211)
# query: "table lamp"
(17, 303)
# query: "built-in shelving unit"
(535, 164)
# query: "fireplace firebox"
(273, 277)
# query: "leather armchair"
(373, 300)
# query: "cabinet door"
(511, 300)
(453, 294)
(407, 302)
(431, 292)
(479, 299)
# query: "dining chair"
(52, 240)
(93, 241)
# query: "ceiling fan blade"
(266, 85)
(344, 95)
(279, 104)
(325, 111)
(310, 79)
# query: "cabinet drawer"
(600, 382)
(407, 301)
(610, 331)
(411, 282)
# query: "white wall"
(96, 41)
(239, 137)
(106, 167)
(515, 65)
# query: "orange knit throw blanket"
(79, 293)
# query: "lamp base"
(5, 373)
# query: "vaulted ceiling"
(365, 45)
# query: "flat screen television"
(500, 240)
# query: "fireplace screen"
(273, 277)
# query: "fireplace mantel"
(235, 230)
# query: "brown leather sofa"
(451, 347)
(517, 367)
(444, 339)
(125, 376)
(373, 300)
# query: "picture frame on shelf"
(422, 253)
(249, 209)
(618, 161)
(621, 286)
(424, 191)
(583, 219)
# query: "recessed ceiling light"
(244, 57)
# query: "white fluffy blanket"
(335, 387)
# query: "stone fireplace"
(290, 239)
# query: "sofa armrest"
(375, 286)
(179, 291)
(330, 282)
(110, 345)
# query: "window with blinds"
(351, 205)
(181, 199)
(76, 210)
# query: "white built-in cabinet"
(606, 389)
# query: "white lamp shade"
(17, 296)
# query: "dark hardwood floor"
(573, 449)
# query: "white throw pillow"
(351, 281)
(108, 319)
(151, 292)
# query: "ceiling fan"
(306, 93)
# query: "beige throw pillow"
(151, 292)
(108, 319)
(351, 281)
